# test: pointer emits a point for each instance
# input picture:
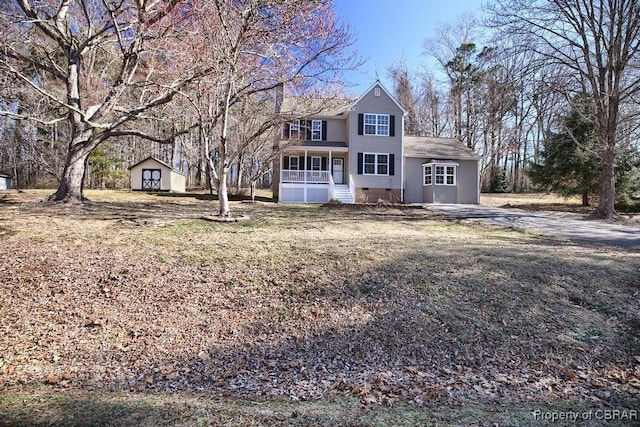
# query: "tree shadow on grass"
(432, 324)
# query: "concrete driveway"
(543, 223)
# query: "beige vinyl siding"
(465, 190)
(382, 104)
(413, 189)
(468, 181)
(336, 130)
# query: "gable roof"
(384, 89)
(437, 148)
(155, 160)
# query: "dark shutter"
(360, 163)
(391, 163)
(308, 163)
(360, 124)
(324, 130)
(286, 163)
(301, 163)
(323, 165)
(287, 126)
(308, 126)
(392, 126)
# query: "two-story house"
(356, 153)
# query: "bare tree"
(257, 46)
(103, 64)
(404, 93)
(596, 44)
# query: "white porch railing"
(306, 177)
(352, 188)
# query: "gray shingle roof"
(437, 148)
(315, 107)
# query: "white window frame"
(294, 129)
(316, 130)
(442, 173)
(313, 159)
(376, 124)
(291, 168)
(427, 172)
(376, 163)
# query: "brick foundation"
(372, 195)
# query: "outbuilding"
(152, 174)
(440, 170)
(5, 182)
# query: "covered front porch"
(314, 176)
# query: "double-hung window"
(376, 164)
(316, 130)
(293, 163)
(428, 175)
(376, 124)
(294, 129)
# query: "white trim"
(424, 175)
(377, 83)
(297, 168)
(375, 164)
(444, 175)
(376, 125)
(319, 163)
(294, 126)
(315, 122)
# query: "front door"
(151, 179)
(337, 170)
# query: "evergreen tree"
(570, 164)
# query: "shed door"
(151, 179)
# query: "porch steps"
(342, 193)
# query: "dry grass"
(133, 311)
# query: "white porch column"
(329, 164)
(280, 177)
(304, 171)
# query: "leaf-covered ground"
(375, 306)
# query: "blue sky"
(387, 31)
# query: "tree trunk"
(239, 182)
(253, 190)
(585, 198)
(71, 187)
(606, 204)
(223, 196)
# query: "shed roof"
(437, 148)
(4, 175)
(155, 160)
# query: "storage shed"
(5, 181)
(151, 174)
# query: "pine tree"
(570, 164)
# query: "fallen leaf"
(52, 379)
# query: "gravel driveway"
(543, 223)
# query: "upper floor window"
(316, 130)
(294, 129)
(376, 124)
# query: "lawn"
(136, 311)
